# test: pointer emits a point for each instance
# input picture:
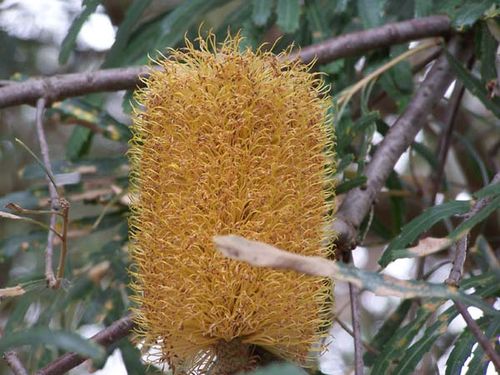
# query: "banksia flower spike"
(229, 142)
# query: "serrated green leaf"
(79, 143)
(461, 351)
(347, 185)
(67, 341)
(423, 8)
(487, 49)
(288, 12)
(93, 116)
(316, 20)
(132, 16)
(398, 206)
(490, 190)
(89, 7)
(387, 330)
(480, 360)
(480, 282)
(484, 255)
(401, 340)
(261, 11)
(411, 357)
(420, 224)
(173, 27)
(474, 85)
(471, 222)
(469, 12)
(371, 12)
(166, 31)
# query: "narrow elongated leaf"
(92, 117)
(398, 206)
(79, 143)
(469, 12)
(480, 360)
(423, 8)
(132, 16)
(420, 224)
(411, 357)
(484, 255)
(385, 332)
(316, 20)
(461, 351)
(173, 27)
(487, 49)
(468, 224)
(89, 7)
(474, 85)
(261, 11)
(347, 185)
(67, 341)
(490, 190)
(401, 340)
(167, 31)
(371, 12)
(288, 15)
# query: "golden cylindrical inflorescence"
(229, 141)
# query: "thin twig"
(479, 335)
(462, 244)
(54, 195)
(358, 201)
(68, 85)
(106, 337)
(456, 274)
(445, 139)
(64, 205)
(346, 328)
(14, 363)
(355, 314)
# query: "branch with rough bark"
(358, 201)
(106, 337)
(69, 85)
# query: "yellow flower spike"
(229, 142)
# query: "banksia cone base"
(228, 142)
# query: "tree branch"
(456, 274)
(68, 85)
(106, 337)
(478, 334)
(356, 318)
(358, 201)
(14, 363)
(54, 196)
(64, 86)
(358, 42)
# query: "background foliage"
(88, 138)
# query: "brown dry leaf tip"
(229, 141)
